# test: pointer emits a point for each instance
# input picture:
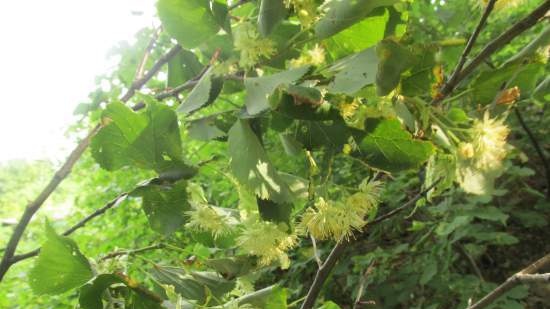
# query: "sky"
(50, 54)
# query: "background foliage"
(286, 102)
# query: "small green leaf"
(393, 59)
(343, 14)
(91, 293)
(231, 267)
(371, 30)
(183, 67)
(271, 13)
(198, 286)
(270, 297)
(272, 211)
(148, 140)
(419, 81)
(293, 107)
(164, 204)
(60, 265)
(190, 22)
(330, 305)
(387, 146)
(204, 93)
(260, 88)
(252, 167)
(355, 72)
(488, 84)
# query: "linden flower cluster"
(306, 10)
(489, 142)
(204, 218)
(268, 241)
(480, 161)
(314, 56)
(336, 220)
(252, 48)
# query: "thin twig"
(79, 224)
(511, 282)
(495, 45)
(141, 67)
(66, 168)
(506, 37)
(316, 252)
(133, 251)
(537, 147)
(138, 83)
(324, 271)
(535, 278)
(451, 83)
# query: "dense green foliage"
(298, 124)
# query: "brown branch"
(141, 67)
(512, 281)
(495, 45)
(131, 252)
(66, 168)
(324, 271)
(537, 147)
(79, 224)
(138, 83)
(506, 37)
(452, 82)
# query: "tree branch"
(512, 281)
(537, 147)
(133, 251)
(79, 224)
(506, 37)
(324, 271)
(493, 46)
(66, 168)
(452, 82)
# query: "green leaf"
(60, 265)
(387, 146)
(258, 89)
(91, 293)
(295, 108)
(488, 84)
(371, 30)
(393, 59)
(542, 92)
(190, 22)
(183, 67)
(149, 140)
(252, 167)
(204, 93)
(317, 134)
(164, 204)
(231, 267)
(343, 14)
(199, 286)
(268, 297)
(271, 13)
(419, 81)
(330, 305)
(355, 72)
(205, 129)
(272, 211)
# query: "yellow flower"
(489, 142)
(348, 109)
(306, 10)
(252, 48)
(331, 220)
(466, 150)
(268, 241)
(314, 56)
(207, 219)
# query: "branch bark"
(79, 224)
(493, 46)
(537, 147)
(66, 168)
(524, 275)
(324, 271)
(451, 83)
